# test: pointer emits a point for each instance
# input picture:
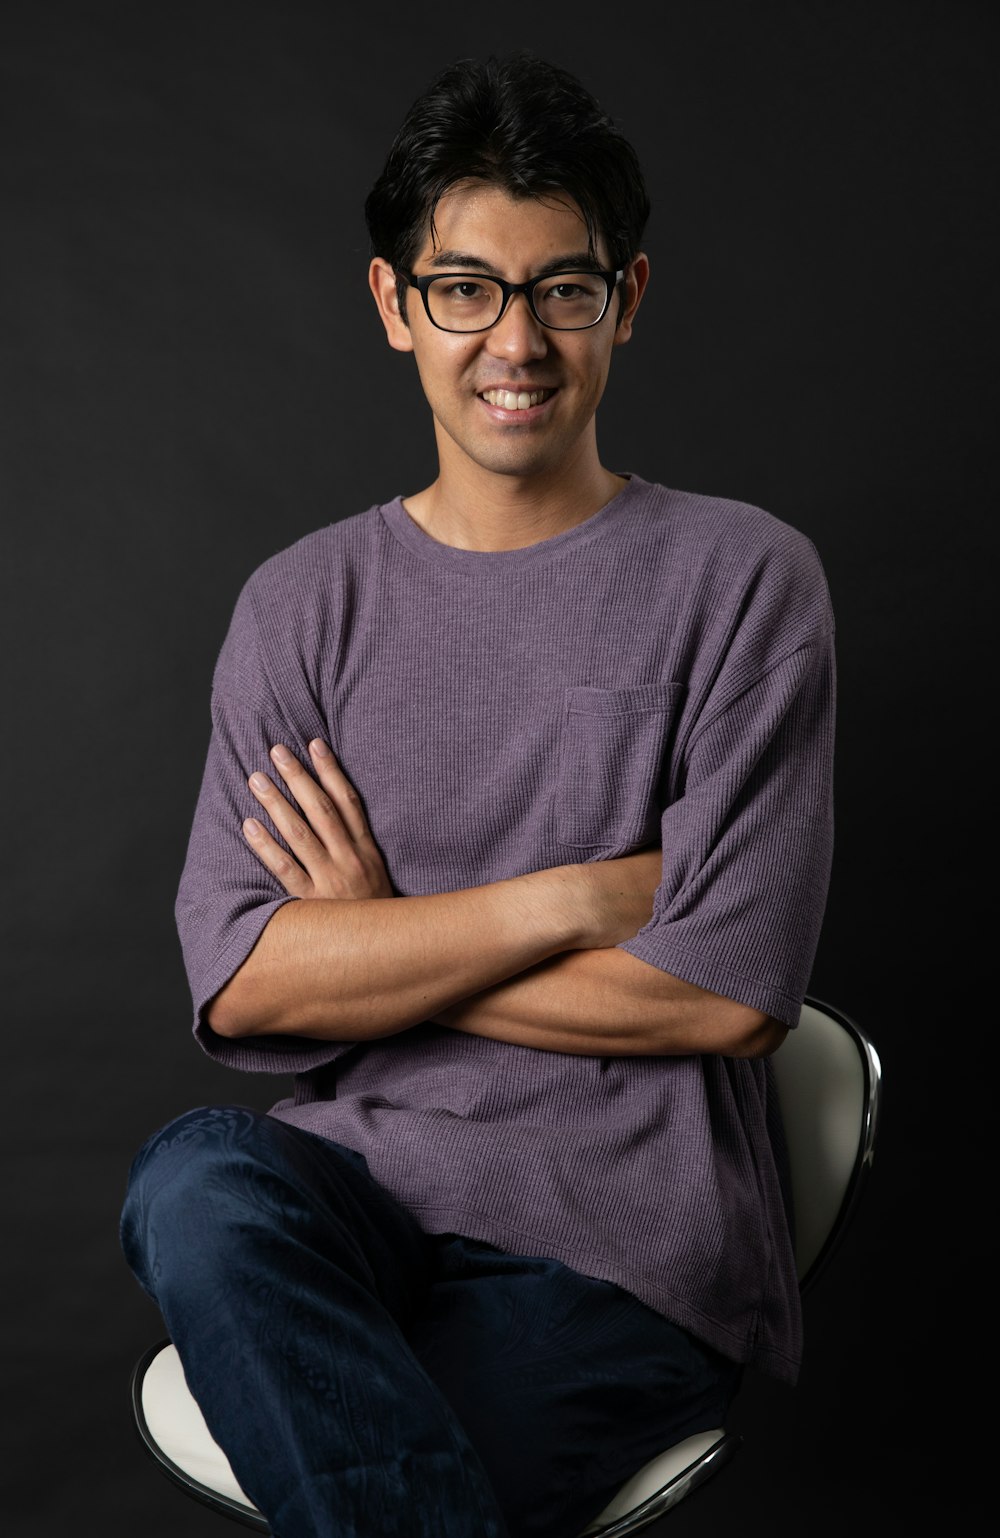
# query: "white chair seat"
(662, 1482)
(183, 1443)
(176, 1424)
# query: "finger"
(342, 793)
(306, 847)
(281, 865)
(315, 804)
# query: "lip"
(529, 413)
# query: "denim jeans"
(369, 1380)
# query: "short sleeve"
(747, 844)
(226, 896)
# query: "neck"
(472, 508)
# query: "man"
(512, 846)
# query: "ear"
(636, 278)
(382, 282)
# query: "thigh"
(285, 1275)
(229, 1192)
(566, 1385)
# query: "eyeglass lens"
(567, 301)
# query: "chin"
(515, 458)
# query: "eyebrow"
(573, 261)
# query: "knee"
(180, 1186)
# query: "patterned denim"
(369, 1380)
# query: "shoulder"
(737, 556)
(315, 566)
(737, 536)
(295, 607)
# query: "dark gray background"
(193, 375)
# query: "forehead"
(512, 235)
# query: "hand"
(333, 852)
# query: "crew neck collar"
(420, 544)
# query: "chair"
(828, 1079)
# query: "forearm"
(608, 1003)
(351, 961)
(353, 970)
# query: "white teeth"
(510, 401)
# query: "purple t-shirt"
(661, 672)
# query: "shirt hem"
(739, 1346)
(706, 972)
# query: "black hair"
(517, 123)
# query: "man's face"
(480, 228)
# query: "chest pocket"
(614, 744)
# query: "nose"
(517, 336)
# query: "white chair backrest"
(823, 1075)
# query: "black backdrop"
(193, 376)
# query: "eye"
(570, 301)
(455, 289)
(571, 288)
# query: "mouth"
(515, 400)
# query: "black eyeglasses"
(471, 301)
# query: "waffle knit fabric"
(661, 673)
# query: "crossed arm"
(530, 961)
